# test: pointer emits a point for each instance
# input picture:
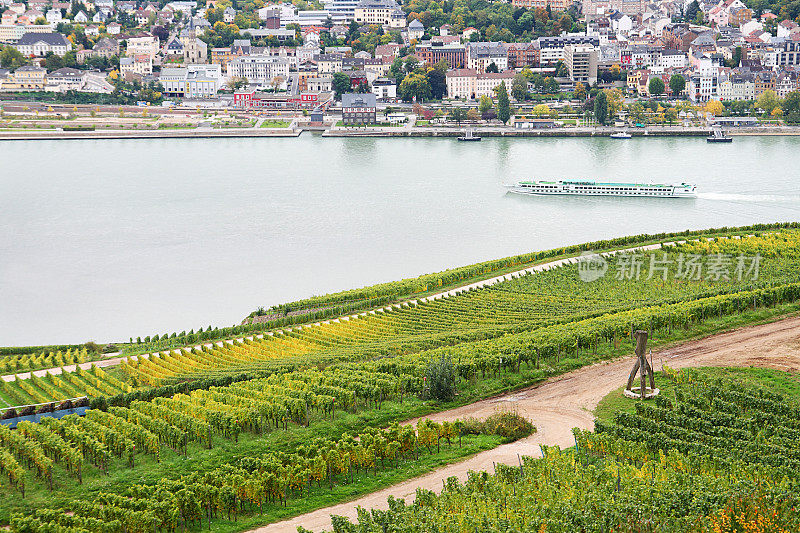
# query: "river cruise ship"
(594, 188)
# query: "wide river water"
(108, 239)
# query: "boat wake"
(732, 197)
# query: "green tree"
(542, 110)
(580, 91)
(492, 67)
(550, 86)
(601, 107)
(440, 380)
(341, 84)
(691, 11)
(458, 115)
(11, 58)
(519, 87)
(52, 62)
(736, 59)
(415, 86)
(655, 86)
(636, 112)
(677, 84)
(437, 79)
(768, 100)
(503, 104)
(484, 104)
(397, 70)
(791, 106)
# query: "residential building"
(391, 51)
(433, 52)
(786, 28)
(65, 79)
(702, 87)
(359, 109)
(27, 78)
(552, 48)
(581, 62)
(384, 89)
(192, 81)
(521, 55)
(260, 69)
(53, 16)
(737, 86)
(480, 55)
(143, 45)
(320, 84)
(416, 30)
(40, 44)
(341, 11)
(221, 56)
(138, 65)
(639, 56)
(252, 99)
(785, 83)
(471, 84)
(329, 63)
(670, 59)
(376, 12)
(790, 54)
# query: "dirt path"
(564, 402)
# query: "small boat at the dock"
(718, 136)
(621, 135)
(469, 136)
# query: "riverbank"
(421, 132)
(194, 133)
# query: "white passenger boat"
(621, 135)
(595, 188)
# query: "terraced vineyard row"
(521, 304)
(719, 420)
(23, 363)
(718, 460)
(245, 486)
(116, 436)
(52, 388)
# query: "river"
(110, 239)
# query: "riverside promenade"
(418, 131)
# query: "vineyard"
(241, 487)
(348, 302)
(35, 361)
(525, 303)
(720, 457)
(228, 431)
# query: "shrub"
(92, 347)
(472, 426)
(509, 425)
(46, 408)
(440, 380)
(9, 413)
